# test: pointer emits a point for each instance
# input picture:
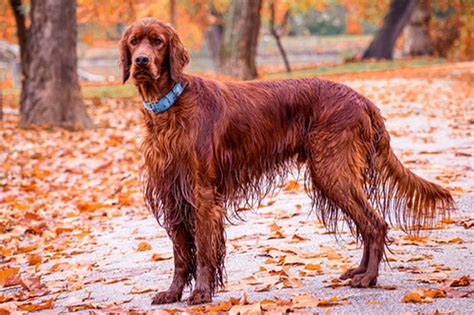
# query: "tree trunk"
(213, 37)
(276, 35)
(173, 13)
(22, 33)
(397, 17)
(417, 33)
(52, 94)
(213, 34)
(239, 42)
(1, 99)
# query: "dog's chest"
(166, 147)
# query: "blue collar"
(166, 101)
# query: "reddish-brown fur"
(225, 144)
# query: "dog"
(211, 147)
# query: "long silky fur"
(392, 189)
(225, 145)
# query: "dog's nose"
(142, 60)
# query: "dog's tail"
(412, 201)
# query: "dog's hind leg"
(336, 165)
(184, 264)
(209, 238)
(364, 263)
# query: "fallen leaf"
(313, 267)
(9, 277)
(412, 297)
(32, 283)
(276, 231)
(292, 185)
(138, 290)
(143, 246)
(250, 309)
(332, 302)
(423, 295)
(160, 257)
(464, 281)
(34, 259)
(224, 306)
(468, 223)
(34, 307)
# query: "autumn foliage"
(101, 21)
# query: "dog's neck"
(156, 89)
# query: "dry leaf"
(9, 277)
(143, 246)
(423, 295)
(464, 281)
(313, 267)
(34, 259)
(137, 290)
(250, 309)
(34, 307)
(276, 231)
(160, 257)
(292, 185)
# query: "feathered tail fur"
(400, 194)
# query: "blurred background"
(231, 38)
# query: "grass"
(93, 91)
(357, 67)
(128, 90)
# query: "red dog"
(211, 146)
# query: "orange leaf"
(312, 267)
(291, 185)
(31, 307)
(159, 257)
(464, 281)
(143, 246)
(89, 206)
(8, 275)
(34, 259)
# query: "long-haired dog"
(213, 146)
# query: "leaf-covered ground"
(74, 234)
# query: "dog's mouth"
(143, 75)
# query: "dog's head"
(150, 49)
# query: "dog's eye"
(157, 41)
(134, 41)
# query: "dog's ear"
(178, 55)
(125, 56)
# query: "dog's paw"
(166, 297)
(199, 297)
(349, 274)
(364, 280)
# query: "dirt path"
(73, 221)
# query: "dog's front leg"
(184, 265)
(209, 238)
